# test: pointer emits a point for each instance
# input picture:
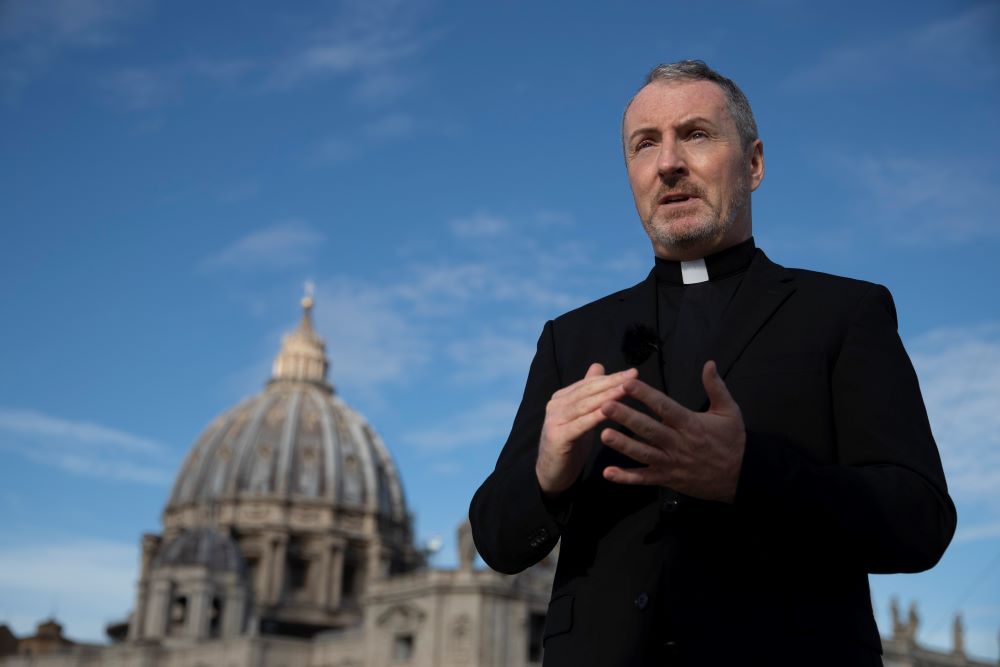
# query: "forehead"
(668, 102)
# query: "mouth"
(676, 198)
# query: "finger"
(643, 476)
(592, 384)
(594, 370)
(634, 449)
(573, 409)
(645, 427)
(572, 430)
(720, 400)
(668, 410)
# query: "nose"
(670, 161)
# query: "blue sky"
(449, 175)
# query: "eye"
(645, 143)
(698, 134)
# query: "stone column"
(331, 565)
(277, 544)
(234, 611)
(150, 544)
(337, 575)
(379, 560)
(158, 611)
(199, 609)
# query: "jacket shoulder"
(605, 305)
(832, 289)
(818, 279)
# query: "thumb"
(719, 398)
(594, 370)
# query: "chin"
(685, 234)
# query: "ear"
(755, 164)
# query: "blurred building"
(287, 542)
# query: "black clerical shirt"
(688, 315)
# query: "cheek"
(636, 182)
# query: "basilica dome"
(304, 488)
(296, 442)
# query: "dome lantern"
(302, 357)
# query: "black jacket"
(841, 477)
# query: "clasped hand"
(696, 453)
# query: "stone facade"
(287, 542)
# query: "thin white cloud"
(85, 582)
(959, 50)
(73, 22)
(370, 340)
(555, 218)
(925, 200)
(983, 531)
(284, 245)
(33, 34)
(491, 356)
(438, 287)
(137, 89)
(223, 70)
(479, 225)
(123, 471)
(365, 40)
(390, 126)
(959, 371)
(84, 448)
(239, 191)
(485, 424)
(345, 146)
(23, 422)
(445, 468)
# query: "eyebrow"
(686, 122)
(696, 120)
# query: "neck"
(738, 231)
(697, 251)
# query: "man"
(726, 449)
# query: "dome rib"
(370, 500)
(189, 483)
(241, 474)
(329, 489)
(289, 434)
(207, 479)
(334, 480)
(397, 506)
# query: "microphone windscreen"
(639, 342)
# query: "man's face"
(690, 175)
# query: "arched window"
(178, 614)
(215, 618)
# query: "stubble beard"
(711, 224)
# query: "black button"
(641, 601)
(670, 504)
(671, 652)
(537, 538)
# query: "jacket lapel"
(765, 287)
(638, 309)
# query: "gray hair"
(696, 70)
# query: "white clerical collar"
(728, 262)
(694, 271)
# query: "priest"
(726, 449)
